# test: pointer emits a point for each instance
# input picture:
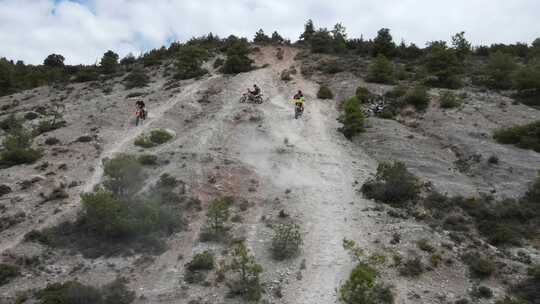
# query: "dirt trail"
(319, 168)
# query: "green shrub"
(201, 261)
(418, 97)
(363, 94)
(352, 118)
(479, 266)
(136, 79)
(73, 292)
(523, 136)
(286, 241)
(381, 70)
(499, 70)
(412, 267)
(483, 292)
(148, 160)
(393, 184)
(156, 138)
(217, 216)
(361, 287)
(449, 100)
(160, 136)
(324, 93)
(124, 175)
(237, 57)
(11, 123)
(109, 62)
(528, 76)
(247, 282)
(424, 245)
(7, 273)
(189, 62)
(86, 74)
(17, 148)
(443, 65)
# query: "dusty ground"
(259, 153)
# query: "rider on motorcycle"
(299, 100)
(252, 94)
(140, 112)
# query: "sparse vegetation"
(246, 282)
(412, 267)
(418, 97)
(190, 59)
(73, 292)
(217, 216)
(7, 273)
(148, 160)
(352, 118)
(393, 184)
(17, 148)
(523, 136)
(361, 287)
(324, 93)
(449, 100)
(155, 138)
(381, 70)
(286, 241)
(479, 266)
(136, 79)
(117, 218)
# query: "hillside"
(278, 172)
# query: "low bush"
(361, 287)
(201, 261)
(17, 148)
(412, 267)
(148, 160)
(352, 118)
(136, 79)
(189, 62)
(393, 184)
(217, 216)
(425, 245)
(73, 292)
(155, 138)
(363, 95)
(418, 97)
(286, 241)
(483, 292)
(523, 136)
(325, 93)
(381, 70)
(449, 100)
(246, 282)
(479, 266)
(8, 273)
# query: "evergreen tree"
(309, 31)
(261, 37)
(384, 44)
(109, 62)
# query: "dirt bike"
(258, 99)
(298, 110)
(140, 116)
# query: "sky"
(83, 30)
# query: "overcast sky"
(83, 30)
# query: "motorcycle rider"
(252, 94)
(140, 112)
(299, 100)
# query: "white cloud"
(83, 30)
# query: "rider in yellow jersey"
(299, 100)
